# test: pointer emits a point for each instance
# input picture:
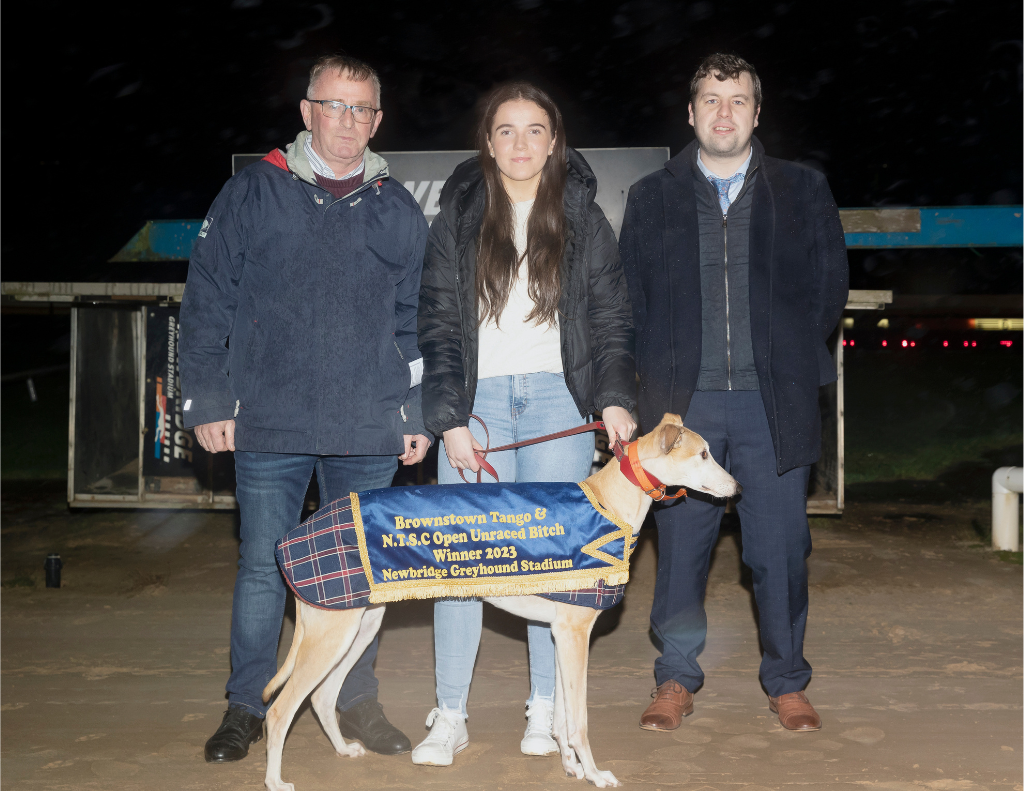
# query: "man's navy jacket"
(299, 314)
(799, 280)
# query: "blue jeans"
(514, 408)
(776, 543)
(270, 492)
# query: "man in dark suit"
(737, 271)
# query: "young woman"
(524, 320)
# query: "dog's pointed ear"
(669, 436)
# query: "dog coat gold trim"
(578, 517)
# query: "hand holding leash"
(618, 423)
(459, 445)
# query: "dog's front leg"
(326, 696)
(571, 630)
(560, 730)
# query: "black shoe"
(237, 731)
(366, 722)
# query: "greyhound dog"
(327, 642)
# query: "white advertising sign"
(424, 173)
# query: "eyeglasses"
(333, 109)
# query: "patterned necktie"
(723, 185)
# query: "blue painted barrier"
(958, 226)
(161, 240)
(935, 226)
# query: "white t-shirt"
(518, 347)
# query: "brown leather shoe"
(795, 712)
(672, 702)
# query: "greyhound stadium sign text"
(487, 540)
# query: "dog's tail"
(289, 662)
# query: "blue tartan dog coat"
(320, 562)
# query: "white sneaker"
(537, 741)
(448, 737)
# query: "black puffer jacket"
(595, 319)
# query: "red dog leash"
(633, 470)
(482, 454)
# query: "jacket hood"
(465, 187)
(580, 172)
(681, 164)
(374, 165)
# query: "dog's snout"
(739, 488)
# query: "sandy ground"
(116, 680)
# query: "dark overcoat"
(799, 281)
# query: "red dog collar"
(638, 476)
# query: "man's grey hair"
(354, 69)
(722, 67)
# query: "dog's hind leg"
(327, 636)
(571, 630)
(326, 696)
(289, 662)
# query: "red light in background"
(844, 343)
(904, 344)
(853, 342)
(1007, 344)
(945, 343)
(885, 343)
(913, 343)
(974, 343)
(965, 344)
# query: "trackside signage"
(424, 173)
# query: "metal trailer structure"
(117, 420)
(127, 446)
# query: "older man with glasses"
(298, 353)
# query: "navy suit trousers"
(776, 543)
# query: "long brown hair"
(497, 263)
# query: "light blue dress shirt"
(736, 186)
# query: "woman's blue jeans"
(514, 408)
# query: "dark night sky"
(131, 113)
